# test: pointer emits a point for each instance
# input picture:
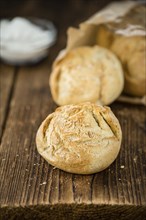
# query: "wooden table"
(30, 188)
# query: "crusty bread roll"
(87, 74)
(132, 53)
(82, 139)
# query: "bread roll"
(87, 74)
(80, 139)
(132, 53)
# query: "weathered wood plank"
(7, 78)
(26, 179)
(17, 153)
(30, 188)
(75, 212)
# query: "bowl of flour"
(26, 40)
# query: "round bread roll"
(81, 139)
(132, 52)
(91, 74)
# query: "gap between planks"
(8, 76)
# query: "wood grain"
(27, 180)
(30, 188)
(7, 81)
(75, 212)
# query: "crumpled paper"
(86, 34)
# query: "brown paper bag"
(86, 35)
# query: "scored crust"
(87, 74)
(80, 139)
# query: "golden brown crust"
(81, 139)
(132, 53)
(87, 74)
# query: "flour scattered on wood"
(44, 183)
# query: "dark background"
(63, 13)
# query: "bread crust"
(85, 74)
(81, 139)
(131, 51)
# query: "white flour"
(21, 37)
